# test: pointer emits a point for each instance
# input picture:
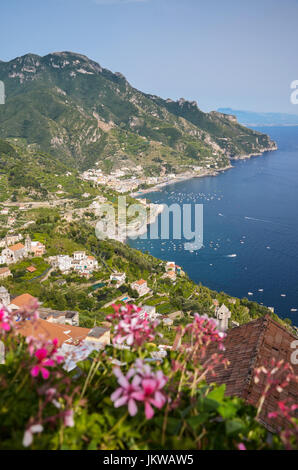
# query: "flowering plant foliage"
(121, 394)
(130, 328)
(204, 330)
(276, 377)
(145, 386)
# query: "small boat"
(232, 256)
(294, 309)
(261, 290)
(250, 293)
(283, 295)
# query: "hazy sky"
(236, 53)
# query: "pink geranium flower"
(241, 446)
(28, 436)
(124, 394)
(140, 384)
(150, 393)
(204, 331)
(68, 419)
(5, 321)
(131, 328)
(43, 363)
(46, 355)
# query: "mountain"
(81, 113)
(250, 118)
(28, 174)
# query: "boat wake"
(257, 220)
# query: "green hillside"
(81, 113)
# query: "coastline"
(206, 172)
(156, 209)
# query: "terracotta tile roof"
(140, 282)
(171, 274)
(170, 264)
(17, 247)
(23, 300)
(31, 269)
(50, 331)
(4, 270)
(247, 347)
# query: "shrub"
(129, 395)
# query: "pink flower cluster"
(5, 321)
(283, 410)
(204, 331)
(45, 355)
(131, 328)
(277, 376)
(140, 384)
(287, 412)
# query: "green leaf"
(217, 393)
(173, 425)
(196, 421)
(227, 410)
(234, 426)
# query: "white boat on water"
(250, 293)
(294, 309)
(232, 256)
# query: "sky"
(241, 54)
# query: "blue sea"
(250, 211)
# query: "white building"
(2, 259)
(149, 311)
(64, 263)
(170, 266)
(223, 314)
(92, 262)
(119, 278)
(140, 286)
(79, 255)
(4, 296)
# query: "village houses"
(79, 262)
(119, 278)
(141, 287)
(149, 311)
(14, 253)
(4, 273)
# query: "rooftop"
(140, 282)
(97, 332)
(4, 270)
(23, 300)
(31, 269)
(45, 312)
(17, 247)
(249, 346)
(50, 331)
